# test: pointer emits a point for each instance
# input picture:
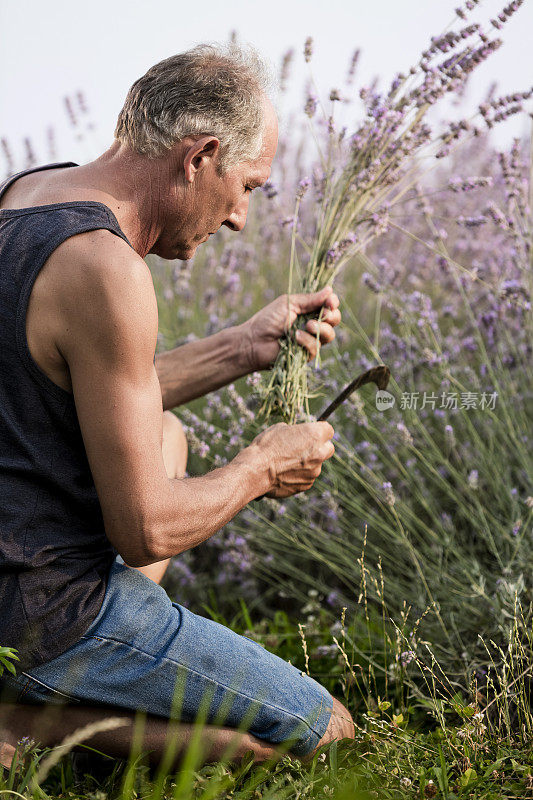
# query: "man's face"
(213, 200)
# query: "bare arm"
(108, 313)
(196, 368)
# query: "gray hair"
(215, 90)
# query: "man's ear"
(199, 155)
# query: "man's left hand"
(268, 325)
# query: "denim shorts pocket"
(36, 692)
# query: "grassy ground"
(409, 743)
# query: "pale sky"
(53, 48)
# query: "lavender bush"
(361, 178)
(431, 498)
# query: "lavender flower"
(310, 105)
(467, 184)
(473, 479)
(406, 657)
(303, 186)
(405, 435)
(285, 69)
(449, 437)
(325, 651)
(390, 498)
(270, 190)
(353, 66)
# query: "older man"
(93, 502)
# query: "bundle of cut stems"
(361, 179)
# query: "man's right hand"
(294, 455)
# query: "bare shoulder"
(96, 255)
(102, 285)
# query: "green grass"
(409, 743)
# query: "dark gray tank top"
(54, 553)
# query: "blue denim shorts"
(144, 652)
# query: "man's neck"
(134, 187)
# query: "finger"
(309, 342)
(333, 317)
(296, 486)
(281, 493)
(332, 301)
(305, 475)
(300, 487)
(324, 329)
(329, 449)
(325, 429)
(305, 303)
(297, 489)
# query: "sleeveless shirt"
(54, 553)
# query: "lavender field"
(403, 579)
(426, 505)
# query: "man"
(94, 502)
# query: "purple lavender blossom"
(303, 186)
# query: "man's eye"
(248, 188)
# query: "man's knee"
(340, 726)
(174, 445)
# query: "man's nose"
(237, 219)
